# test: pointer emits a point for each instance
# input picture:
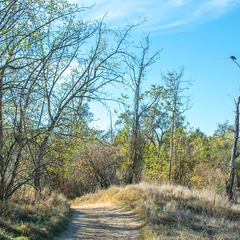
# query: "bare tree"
(51, 64)
(231, 176)
(137, 72)
(230, 180)
(23, 27)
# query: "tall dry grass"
(27, 216)
(174, 212)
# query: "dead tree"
(230, 180)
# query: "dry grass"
(26, 217)
(174, 212)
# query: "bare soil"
(101, 221)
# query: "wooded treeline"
(52, 65)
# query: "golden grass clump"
(175, 212)
(31, 216)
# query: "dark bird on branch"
(233, 58)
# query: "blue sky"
(193, 34)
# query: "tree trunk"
(2, 175)
(171, 151)
(230, 180)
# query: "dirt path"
(101, 221)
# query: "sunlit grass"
(168, 212)
(174, 212)
(26, 216)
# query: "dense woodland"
(53, 64)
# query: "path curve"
(101, 221)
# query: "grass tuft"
(27, 217)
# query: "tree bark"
(230, 180)
(2, 180)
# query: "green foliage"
(197, 160)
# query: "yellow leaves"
(125, 165)
(23, 228)
(196, 182)
(5, 31)
(25, 46)
(10, 51)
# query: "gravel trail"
(101, 221)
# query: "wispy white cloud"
(215, 8)
(160, 14)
